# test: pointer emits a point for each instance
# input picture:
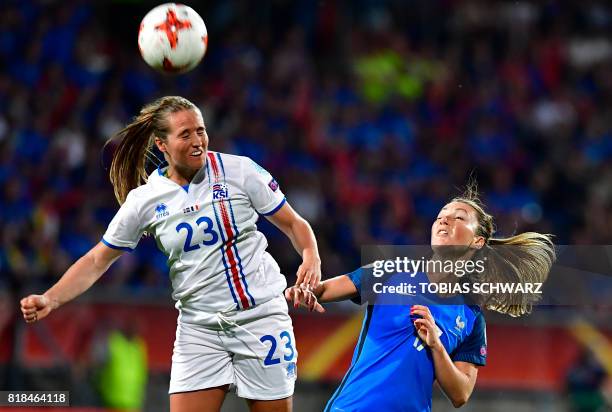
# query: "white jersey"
(208, 231)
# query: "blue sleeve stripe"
(110, 245)
(271, 212)
(471, 358)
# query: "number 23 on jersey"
(203, 223)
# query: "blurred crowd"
(371, 115)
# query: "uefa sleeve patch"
(273, 185)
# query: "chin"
(198, 163)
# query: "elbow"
(459, 401)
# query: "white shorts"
(253, 350)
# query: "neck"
(437, 276)
(180, 176)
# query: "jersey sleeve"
(262, 189)
(473, 349)
(125, 230)
(355, 277)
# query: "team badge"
(459, 324)
(161, 210)
(483, 351)
(273, 185)
(291, 370)
(220, 191)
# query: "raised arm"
(457, 379)
(303, 239)
(77, 279)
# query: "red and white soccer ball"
(172, 38)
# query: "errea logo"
(161, 210)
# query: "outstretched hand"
(304, 297)
(35, 308)
(309, 273)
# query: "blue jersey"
(392, 369)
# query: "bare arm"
(457, 379)
(336, 289)
(77, 279)
(331, 290)
(303, 239)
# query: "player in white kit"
(233, 329)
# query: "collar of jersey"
(159, 175)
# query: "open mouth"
(196, 153)
(442, 232)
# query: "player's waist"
(209, 316)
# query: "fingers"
(424, 323)
(31, 318)
(307, 277)
(315, 277)
(296, 297)
(303, 297)
(29, 311)
(422, 311)
(301, 273)
(319, 308)
(33, 308)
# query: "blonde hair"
(136, 140)
(523, 258)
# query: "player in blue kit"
(408, 342)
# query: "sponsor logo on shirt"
(273, 185)
(191, 209)
(220, 191)
(161, 210)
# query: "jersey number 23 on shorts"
(270, 360)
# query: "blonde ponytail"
(523, 258)
(135, 141)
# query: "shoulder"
(139, 197)
(476, 311)
(228, 163)
(226, 157)
(139, 194)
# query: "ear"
(478, 242)
(161, 145)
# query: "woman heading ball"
(202, 209)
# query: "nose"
(198, 141)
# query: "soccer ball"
(172, 38)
